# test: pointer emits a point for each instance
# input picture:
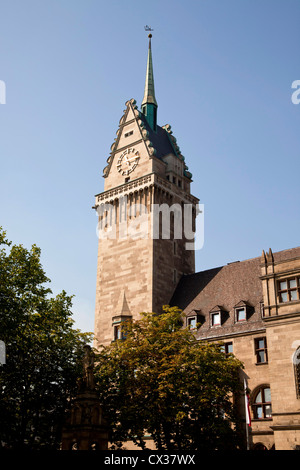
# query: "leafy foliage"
(43, 351)
(161, 381)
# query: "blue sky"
(223, 73)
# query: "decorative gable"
(132, 132)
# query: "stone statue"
(88, 368)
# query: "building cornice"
(139, 184)
(281, 273)
(232, 335)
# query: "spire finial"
(149, 104)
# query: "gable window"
(261, 352)
(128, 133)
(261, 405)
(289, 289)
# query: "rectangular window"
(289, 289)
(261, 350)
(128, 133)
(227, 348)
(216, 319)
(117, 332)
(241, 314)
(261, 406)
(191, 322)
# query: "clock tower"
(146, 218)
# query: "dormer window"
(215, 319)
(241, 314)
(191, 323)
(242, 311)
(193, 319)
(217, 316)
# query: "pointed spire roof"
(123, 308)
(149, 94)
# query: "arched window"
(296, 361)
(261, 403)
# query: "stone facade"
(266, 339)
(252, 307)
(281, 286)
(140, 256)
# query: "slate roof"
(226, 286)
(164, 142)
(159, 139)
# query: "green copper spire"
(149, 104)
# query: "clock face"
(128, 161)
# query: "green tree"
(43, 351)
(163, 382)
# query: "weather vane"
(147, 28)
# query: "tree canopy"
(161, 382)
(43, 351)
